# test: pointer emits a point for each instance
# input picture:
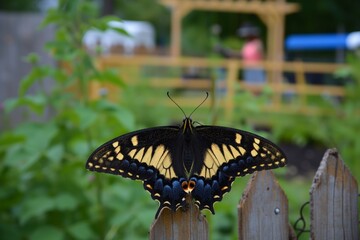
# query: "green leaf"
(10, 231)
(103, 23)
(81, 230)
(47, 232)
(125, 118)
(35, 206)
(18, 158)
(65, 201)
(39, 136)
(79, 147)
(55, 153)
(86, 116)
(9, 139)
(32, 58)
(52, 16)
(36, 103)
(110, 76)
(35, 75)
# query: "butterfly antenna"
(168, 94)
(207, 95)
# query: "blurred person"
(252, 53)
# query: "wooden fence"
(263, 209)
(300, 89)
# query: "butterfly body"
(174, 161)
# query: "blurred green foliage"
(45, 190)
(46, 193)
(338, 127)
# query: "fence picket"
(179, 225)
(263, 209)
(333, 200)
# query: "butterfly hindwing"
(230, 153)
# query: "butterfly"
(174, 161)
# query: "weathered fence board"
(334, 196)
(263, 209)
(180, 225)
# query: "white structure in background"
(140, 34)
(353, 40)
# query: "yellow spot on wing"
(238, 138)
(217, 153)
(115, 144)
(147, 156)
(134, 140)
(256, 140)
(256, 146)
(120, 156)
(234, 152)
(132, 153)
(167, 161)
(227, 153)
(242, 150)
(208, 160)
(210, 165)
(162, 158)
(158, 153)
(90, 164)
(216, 161)
(254, 153)
(139, 155)
(117, 149)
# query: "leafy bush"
(47, 193)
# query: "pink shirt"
(252, 51)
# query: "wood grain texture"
(179, 225)
(333, 200)
(263, 209)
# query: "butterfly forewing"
(134, 155)
(225, 145)
(230, 153)
(145, 155)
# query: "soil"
(303, 160)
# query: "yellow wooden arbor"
(271, 12)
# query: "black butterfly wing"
(230, 153)
(145, 155)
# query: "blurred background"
(75, 74)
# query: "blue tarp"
(316, 41)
